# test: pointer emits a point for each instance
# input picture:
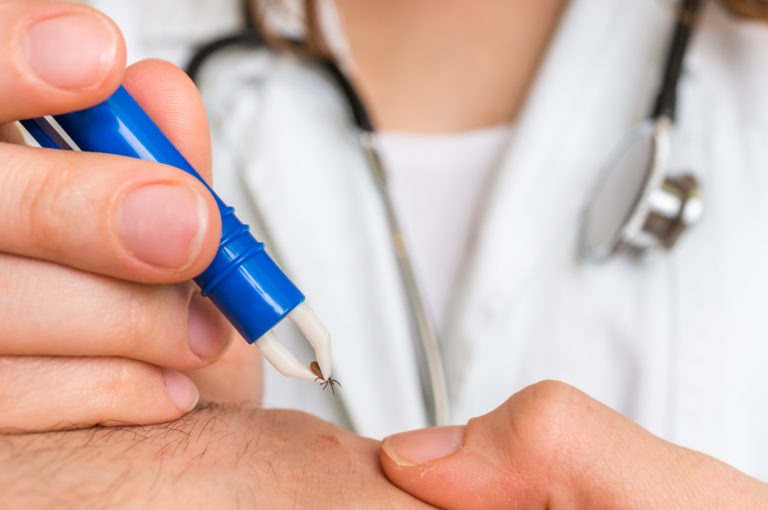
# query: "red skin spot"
(329, 438)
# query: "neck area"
(437, 66)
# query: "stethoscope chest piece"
(635, 205)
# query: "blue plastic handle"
(243, 281)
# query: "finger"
(49, 309)
(55, 57)
(171, 99)
(551, 446)
(47, 393)
(108, 214)
(164, 225)
(235, 377)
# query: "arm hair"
(124, 466)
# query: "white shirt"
(436, 183)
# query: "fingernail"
(209, 333)
(71, 51)
(423, 445)
(163, 225)
(181, 390)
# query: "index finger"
(55, 57)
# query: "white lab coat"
(676, 341)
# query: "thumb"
(552, 446)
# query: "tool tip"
(282, 359)
(316, 334)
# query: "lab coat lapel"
(594, 84)
(325, 225)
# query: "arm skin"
(215, 457)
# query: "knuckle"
(122, 381)
(547, 432)
(555, 398)
(139, 320)
(149, 322)
(121, 376)
(546, 400)
(42, 208)
(550, 418)
(130, 392)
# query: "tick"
(315, 368)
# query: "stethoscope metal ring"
(634, 205)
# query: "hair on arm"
(218, 456)
(118, 466)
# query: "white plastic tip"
(316, 334)
(282, 359)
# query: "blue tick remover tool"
(243, 281)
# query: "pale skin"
(547, 446)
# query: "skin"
(132, 317)
(437, 75)
(547, 446)
(215, 457)
(551, 446)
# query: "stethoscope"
(654, 211)
(655, 208)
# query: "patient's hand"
(215, 457)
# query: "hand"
(215, 457)
(97, 316)
(551, 446)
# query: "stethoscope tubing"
(431, 367)
(641, 226)
(433, 380)
(666, 99)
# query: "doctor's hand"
(98, 319)
(551, 446)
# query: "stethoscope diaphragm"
(637, 206)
